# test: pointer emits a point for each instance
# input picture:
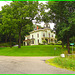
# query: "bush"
(65, 63)
(66, 52)
(44, 42)
(40, 44)
(4, 44)
(73, 52)
(51, 44)
(59, 43)
(13, 43)
(7, 44)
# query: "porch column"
(26, 43)
(44, 38)
(48, 40)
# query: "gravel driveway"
(29, 65)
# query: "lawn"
(37, 50)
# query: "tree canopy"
(17, 19)
(62, 14)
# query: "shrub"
(65, 62)
(40, 44)
(66, 52)
(73, 52)
(59, 43)
(51, 43)
(13, 43)
(4, 44)
(44, 42)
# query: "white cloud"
(2, 3)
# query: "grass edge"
(50, 62)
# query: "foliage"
(4, 44)
(40, 44)
(72, 40)
(44, 42)
(59, 43)
(16, 20)
(51, 43)
(60, 13)
(67, 62)
(66, 52)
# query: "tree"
(17, 19)
(24, 12)
(61, 13)
(8, 23)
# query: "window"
(49, 34)
(43, 34)
(38, 35)
(32, 36)
(38, 41)
(52, 35)
(49, 40)
(32, 41)
(27, 37)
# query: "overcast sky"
(2, 3)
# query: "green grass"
(66, 63)
(37, 50)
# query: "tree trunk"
(62, 44)
(68, 45)
(19, 39)
(6, 39)
(10, 43)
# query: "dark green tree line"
(17, 19)
(62, 14)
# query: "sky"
(2, 3)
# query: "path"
(29, 65)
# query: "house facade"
(38, 35)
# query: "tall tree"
(24, 12)
(8, 23)
(61, 13)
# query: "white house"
(38, 35)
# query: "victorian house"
(38, 35)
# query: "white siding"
(40, 36)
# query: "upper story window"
(32, 36)
(43, 34)
(38, 41)
(49, 34)
(27, 37)
(38, 35)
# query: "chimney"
(37, 27)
